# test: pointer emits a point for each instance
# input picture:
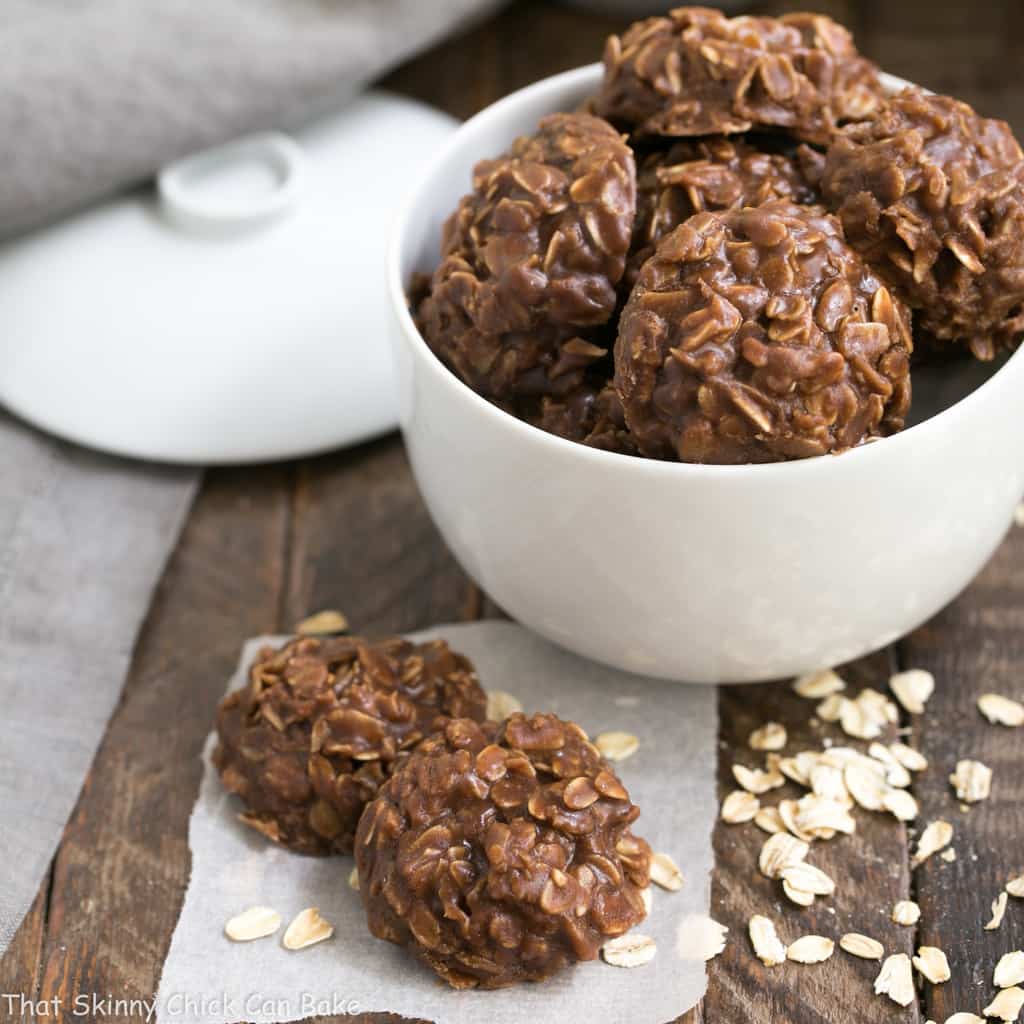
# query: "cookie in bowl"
(531, 259)
(697, 72)
(932, 195)
(759, 335)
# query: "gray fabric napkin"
(83, 540)
(98, 94)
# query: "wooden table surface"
(265, 546)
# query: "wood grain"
(266, 546)
(973, 647)
(362, 541)
(21, 965)
(870, 869)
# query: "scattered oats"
(827, 781)
(863, 946)
(963, 1018)
(1001, 710)
(857, 721)
(998, 911)
(629, 951)
(254, 923)
(788, 814)
(840, 757)
(810, 949)
(895, 773)
(325, 623)
(1007, 1005)
(880, 752)
(755, 781)
(896, 980)
(912, 689)
(797, 896)
(972, 781)
(878, 705)
(769, 819)
(699, 938)
(932, 964)
(307, 929)
(807, 878)
(665, 872)
(779, 852)
(767, 945)
(648, 900)
(906, 912)
(815, 685)
(740, 806)
(501, 704)
(353, 879)
(865, 785)
(937, 836)
(616, 746)
(1010, 970)
(948, 855)
(798, 769)
(817, 817)
(900, 804)
(831, 708)
(911, 759)
(1015, 887)
(771, 736)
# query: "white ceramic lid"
(237, 315)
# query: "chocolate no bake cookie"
(758, 335)
(501, 854)
(697, 72)
(591, 415)
(316, 730)
(694, 175)
(531, 259)
(933, 196)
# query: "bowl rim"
(852, 457)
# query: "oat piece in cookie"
(500, 854)
(531, 258)
(590, 414)
(697, 72)
(933, 196)
(313, 734)
(758, 335)
(696, 175)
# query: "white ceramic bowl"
(696, 573)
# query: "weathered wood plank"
(362, 541)
(121, 872)
(870, 869)
(975, 646)
(21, 964)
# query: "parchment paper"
(671, 777)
